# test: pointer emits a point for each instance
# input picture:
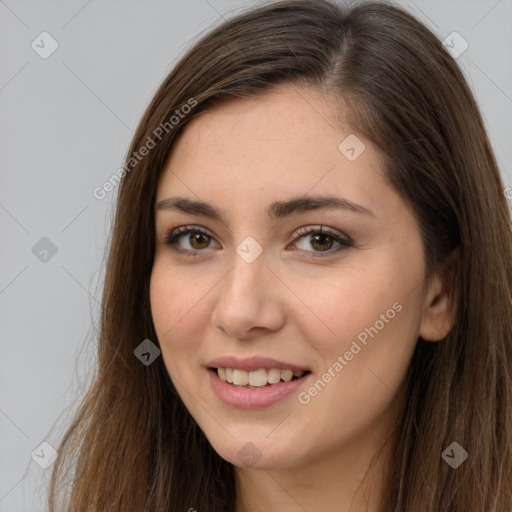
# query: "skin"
(293, 303)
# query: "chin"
(256, 452)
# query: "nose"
(249, 302)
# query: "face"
(260, 284)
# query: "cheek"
(371, 316)
(342, 305)
(364, 366)
(177, 312)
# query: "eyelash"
(174, 235)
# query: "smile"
(272, 385)
(257, 378)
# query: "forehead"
(285, 121)
(280, 144)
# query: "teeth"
(240, 377)
(286, 375)
(274, 375)
(257, 378)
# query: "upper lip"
(252, 363)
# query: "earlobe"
(440, 305)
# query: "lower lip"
(250, 398)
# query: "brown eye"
(321, 241)
(192, 244)
(199, 240)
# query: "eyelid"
(180, 230)
(320, 228)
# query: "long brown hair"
(133, 446)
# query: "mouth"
(258, 379)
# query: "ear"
(440, 305)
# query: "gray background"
(66, 123)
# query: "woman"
(307, 296)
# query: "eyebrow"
(276, 210)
